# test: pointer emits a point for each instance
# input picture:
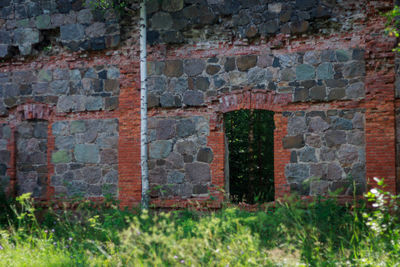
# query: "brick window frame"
(250, 99)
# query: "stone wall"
(70, 90)
(179, 156)
(327, 151)
(31, 160)
(85, 158)
(179, 21)
(325, 67)
(325, 75)
(28, 27)
(5, 156)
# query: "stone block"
(86, 153)
(160, 149)
(194, 67)
(307, 154)
(312, 57)
(175, 177)
(59, 87)
(358, 54)
(166, 129)
(258, 76)
(200, 189)
(24, 38)
(43, 22)
(269, 27)
(94, 103)
(186, 147)
(152, 6)
(173, 68)
(202, 84)
(343, 55)
(299, 26)
(4, 50)
(245, 63)
(158, 176)
(77, 127)
(335, 137)
(358, 121)
(167, 100)
(172, 37)
(5, 37)
(157, 84)
(305, 72)
(60, 156)
(185, 128)
(193, 98)
(296, 125)
(325, 71)
(355, 138)
(317, 93)
(205, 155)
(354, 69)
(72, 32)
(175, 161)
(336, 83)
(197, 172)
(96, 29)
(301, 94)
(109, 156)
(230, 64)
(334, 172)
(318, 171)
(172, 5)
(64, 142)
(342, 124)
(296, 141)
(318, 188)
(347, 155)
(84, 16)
(297, 172)
(161, 21)
(317, 124)
(355, 90)
(287, 75)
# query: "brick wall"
(324, 67)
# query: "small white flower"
(374, 191)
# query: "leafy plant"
(392, 24)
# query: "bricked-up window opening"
(250, 135)
(31, 161)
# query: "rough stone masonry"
(69, 96)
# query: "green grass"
(321, 233)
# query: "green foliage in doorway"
(250, 136)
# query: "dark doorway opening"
(250, 136)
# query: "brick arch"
(34, 111)
(251, 99)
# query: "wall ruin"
(324, 67)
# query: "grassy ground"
(323, 234)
